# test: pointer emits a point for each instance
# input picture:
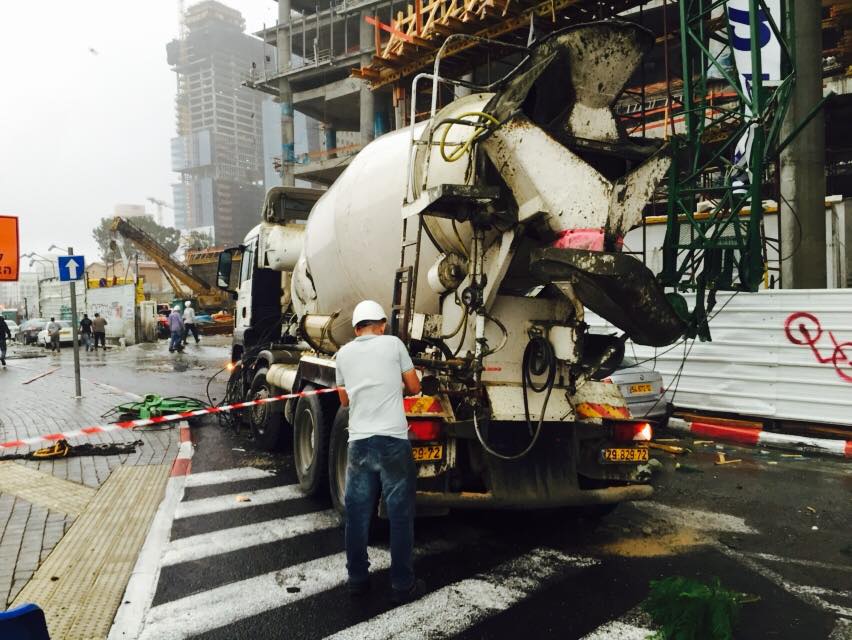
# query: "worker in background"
(372, 371)
(86, 331)
(99, 330)
(53, 330)
(4, 333)
(189, 322)
(176, 329)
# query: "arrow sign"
(71, 268)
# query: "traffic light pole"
(75, 325)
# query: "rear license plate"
(624, 455)
(428, 453)
(640, 388)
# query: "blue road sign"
(71, 268)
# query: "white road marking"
(633, 625)
(696, 520)
(452, 609)
(808, 594)
(214, 608)
(226, 540)
(206, 506)
(805, 563)
(226, 475)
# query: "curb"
(182, 465)
(757, 436)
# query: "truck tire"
(267, 421)
(338, 455)
(311, 428)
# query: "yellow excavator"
(183, 281)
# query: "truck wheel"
(310, 443)
(267, 421)
(338, 455)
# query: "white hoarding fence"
(784, 355)
(116, 304)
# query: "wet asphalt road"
(772, 526)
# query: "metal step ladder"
(405, 278)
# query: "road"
(244, 555)
(249, 557)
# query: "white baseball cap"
(189, 303)
(176, 308)
(367, 310)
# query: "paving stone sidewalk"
(28, 531)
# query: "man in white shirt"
(372, 370)
(189, 322)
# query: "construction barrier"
(144, 422)
(757, 436)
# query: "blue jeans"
(385, 463)
(176, 340)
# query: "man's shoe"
(3, 361)
(417, 590)
(357, 589)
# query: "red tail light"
(632, 431)
(424, 429)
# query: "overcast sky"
(81, 130)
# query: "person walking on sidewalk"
(53, 330)
(176, 330)
(372, 370)
(4, 333)
(86, 331)
(189, 323)
(99, 330)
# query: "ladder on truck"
(405, 277)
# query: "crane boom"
(176, 273)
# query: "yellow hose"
(478, 132)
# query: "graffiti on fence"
(803, 328)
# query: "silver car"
(642, 388)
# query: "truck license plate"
(625, 455)
(428, 453)
(640, 388)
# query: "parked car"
(642, 387)
(13, 328)
(29, 330)
(66, 335)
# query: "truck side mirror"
(223, 271)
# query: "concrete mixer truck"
(486, 231)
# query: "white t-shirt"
(189, 315)
(370, 367)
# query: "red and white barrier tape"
(144, 422)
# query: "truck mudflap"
(561, 497)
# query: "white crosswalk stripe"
(452, 609)
(206, 506)
(214, 543)
(225, 475)
(633, 625)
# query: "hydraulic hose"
(480, 130)
(539, 359)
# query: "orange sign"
(8, 249)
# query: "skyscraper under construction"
(218, 151)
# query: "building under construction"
(219, 148)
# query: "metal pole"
(802, 207)
(74, 334)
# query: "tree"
(167, 237)
(197, 240)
